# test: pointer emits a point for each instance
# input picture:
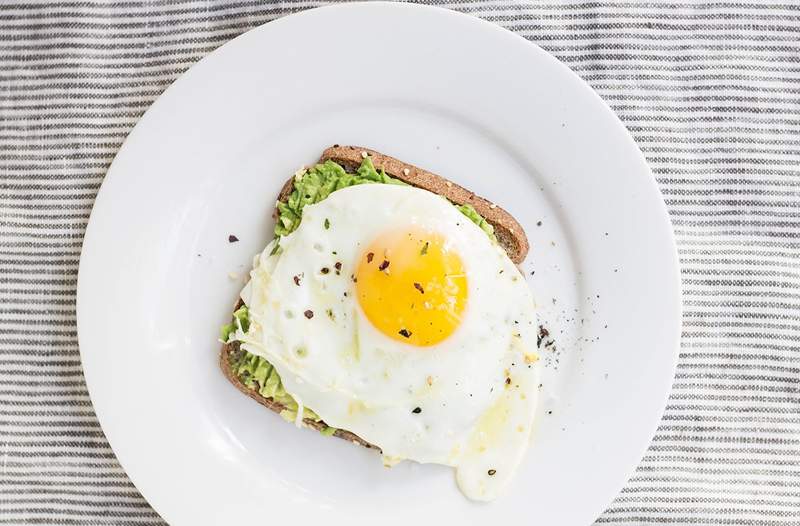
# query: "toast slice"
(507, 230)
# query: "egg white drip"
(357, 379)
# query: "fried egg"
(393, 316)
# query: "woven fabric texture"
(711, 93)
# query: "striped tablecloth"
(710, 91)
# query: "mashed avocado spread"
(310, 186)
(315, 184)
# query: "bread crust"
(508, 231)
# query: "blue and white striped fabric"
(710, 91)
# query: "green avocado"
(311, 186)
(317, 183)
(259, 375)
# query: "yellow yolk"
(411, 286)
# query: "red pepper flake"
(309, 314)
(491, 472)
(404, 333)
(296, 280)
(384, 265)
(419, 288)
(324, 270)
(232, 239)
(370, 255)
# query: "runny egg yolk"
(412, 286)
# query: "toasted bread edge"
(509, 232)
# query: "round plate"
(443, 91)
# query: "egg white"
(476, 390)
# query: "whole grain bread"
(508, 231)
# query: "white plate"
(441, 90)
